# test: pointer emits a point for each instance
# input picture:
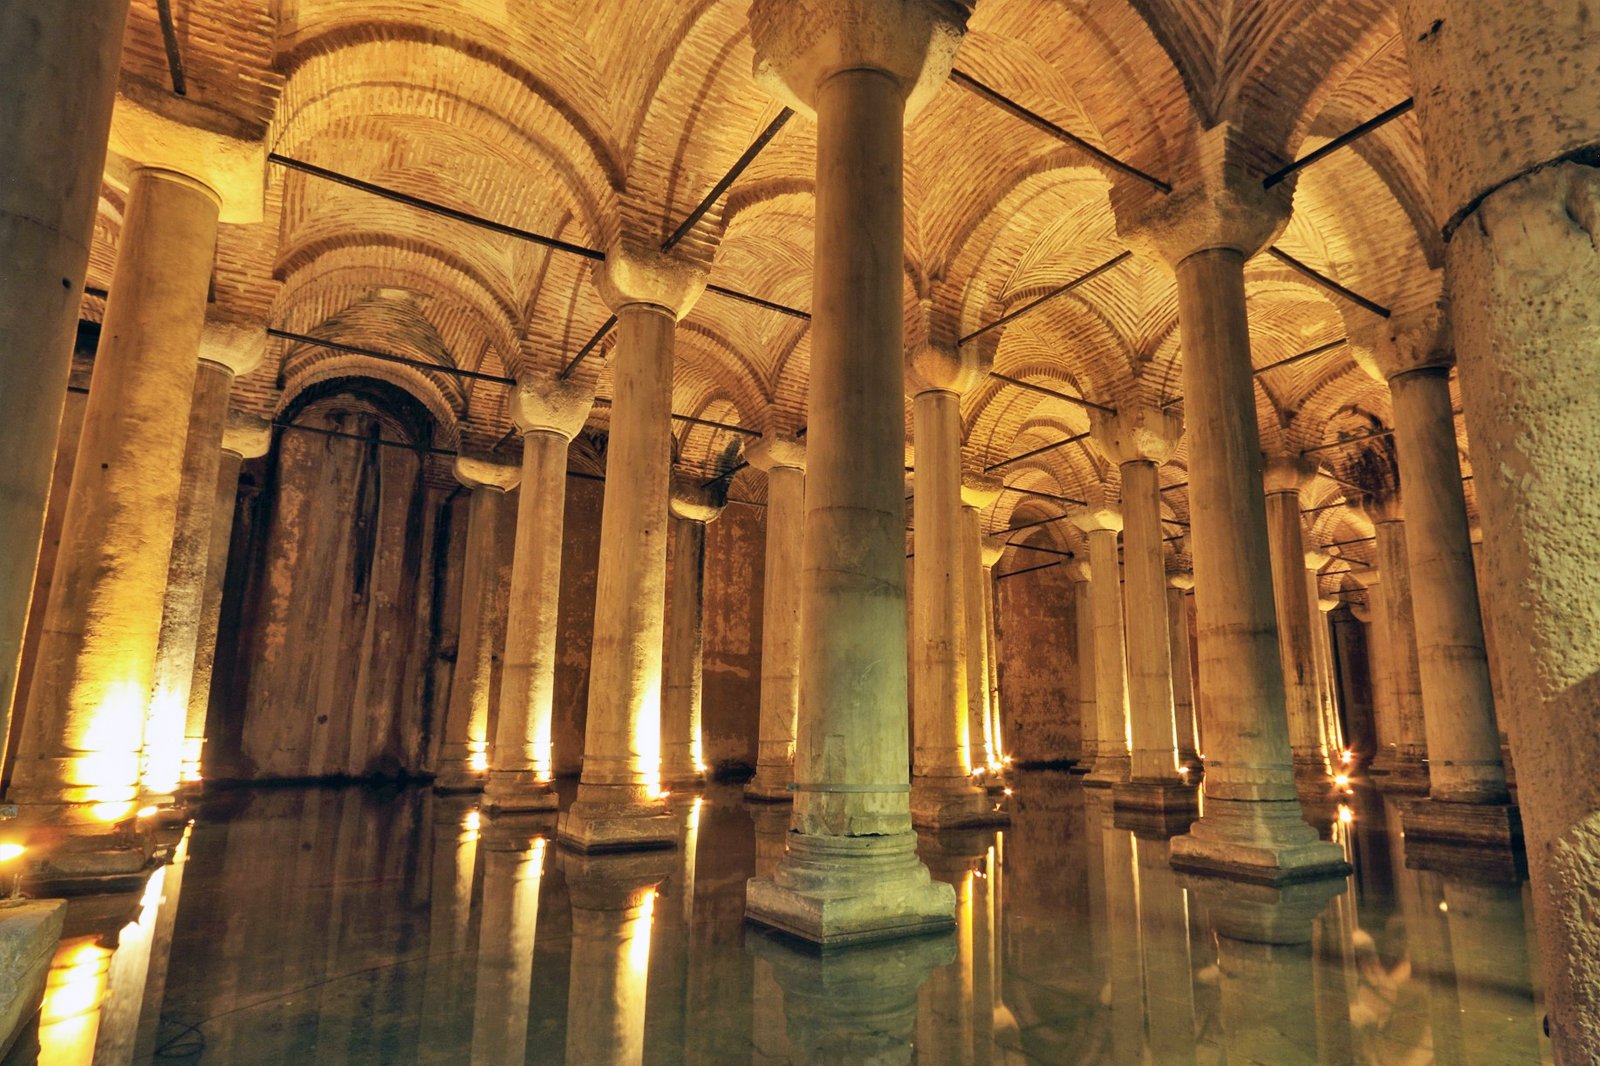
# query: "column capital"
(1138, 433)
(1316, 559)
(774, 451)
(1361, 612)
(1327, 605)
(980, 490)
(1415, 338)
(476, 472)
(1078, 570)
(1093, 519)
(153, 128)
(1217, 201)
(1180, 579)
(246, 435)
(234, 342)
(1367, 577)
(991, 547)
(693, 500)
(941, 368)
(1287, 473)
(799, 44)
(637, 273)
(555, 405)
(1385, 508)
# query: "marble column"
(978, 491)
(244, 436)
(613, 905)
(1179, 582)
(1286, 478)
(513, 869)
(548, 412)
(1111, 760)
(993, 547)
(1380, 654)
(1083, 690)
(1322, 647)
(619, 795)
(784, 460)
(1406, 768)
(1217, 218)
(1140, 438)
(692, 506)
(851, 870)
(491, 518)
(49, 191)
(949, 743)
(78, 762)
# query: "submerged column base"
(1109, 771)
(616, 818)
(458, 776)
(1476, 825)
(683, 781)
(846, 890)
(1157, 797)
(1395, 771)
(1259, 841)
(771, 783)
(952, 803)
(85, 860)
(512, 791)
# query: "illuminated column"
(1217, 217)
(1404, 767)
(619, 804)
(948, 1000)
(491, 514)
(513, 868)
(171, 753)
(613, 903)
(1179, 582)
(446, 982)
(1111, 763)
(1330, 738)
(692, 506)
(1083, 689)
(977, 492)
(50, 179)
(1164, 934)
(784, 460)
(851, 870)
(1286, 478)
(78, 759)
(243, 437)
(993, 548)
(1338, 744)
(549, 413)
(1380, 652)
(74, 994)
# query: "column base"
(91, 863)
(833, 891)
(450, 780)
(952, 803)
(1263, 842)
(771, 785)
(1477, 825)
(29, 932)
(514, 791)
(1109, 771)
(607, 818)
(1157, 797)
(686, 781)
(1393, 773)
(1264, 914)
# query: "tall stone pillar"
(171, 750)
(947, 619)
(549, 413)
(1327, 687)
(619, 795)
(851, 870)
(243, 437)
(784, 460)
(1083, 687)
(49, 190)
(491, 527)
(613, 907)
(1285, 479)
(992, 548)
(692, 506)
(977, 492)
(1140, 438)
(1215, 219)
(1406, 768)
(1111, 761)
(79, 757)
(1179, 582)
(1380, 654)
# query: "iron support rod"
(589, 346)
(1037, 451)
(728, 179)
(1339, 142)
(1309, 353)
(1059, 290)
(1347, 440)
(1078, 400)
(1326, 282)
(387, 357)
(169, 40)
(1043, 495)
(1024, 570)
(744, 297)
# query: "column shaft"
(991, 663)
(78, 759)
(970, 617)
(681, 760)
(1150, 701)
(1182, 677)
(223, 504)
(780, 634)
(1084, 685)
(1405, 675)
(1111, 763)
(1293, 614)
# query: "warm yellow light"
(639, 946)
(662, 793)
(472, 821)
(11, 851)
(1347, 757)
(1006, 759)
(110, 812)
(1341, 780)
(1444, 907)
(145, 812)
(1346, 815)
(1008, 791)
(164, 742)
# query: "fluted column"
(50, 179)
(1216, 218)
(1179, 582)
(1083, 686)
(851, 869)
(491, 517)
(619, 795)
(1286, 478)
(784, 460)
(549, 413)
(692, 506)
(1405, 767)
(1111, 762)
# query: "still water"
(356, 926)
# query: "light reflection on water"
(395, 926)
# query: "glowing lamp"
(11, 851)
(1346, 815)
(1342, 780)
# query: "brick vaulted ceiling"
(588, 120)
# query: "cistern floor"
(359, 925)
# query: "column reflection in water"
(447, 979)
(1123, 993)
(955, 1021)
(668, 1014)
(1164, 949)
(513, 869)
(769, 1037)
(613, 904)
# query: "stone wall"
(1036, 633)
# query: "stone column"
(548, 412)
(784, 460)
(1217, 217)
(619, 795)
(491, 526)
(49, 191)
(1380, 653)
(79, 757)
(1083, 689)
(949, 742)
(243, 437)
(1327, 687)
(851, 870)
(513, 869)
(1286, 478)
(692, 506)
(1407, 769)
(992, 549)
(1111, 761)
(977, 492)
(1179, 582)
(1140, 438)
(613, 905)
